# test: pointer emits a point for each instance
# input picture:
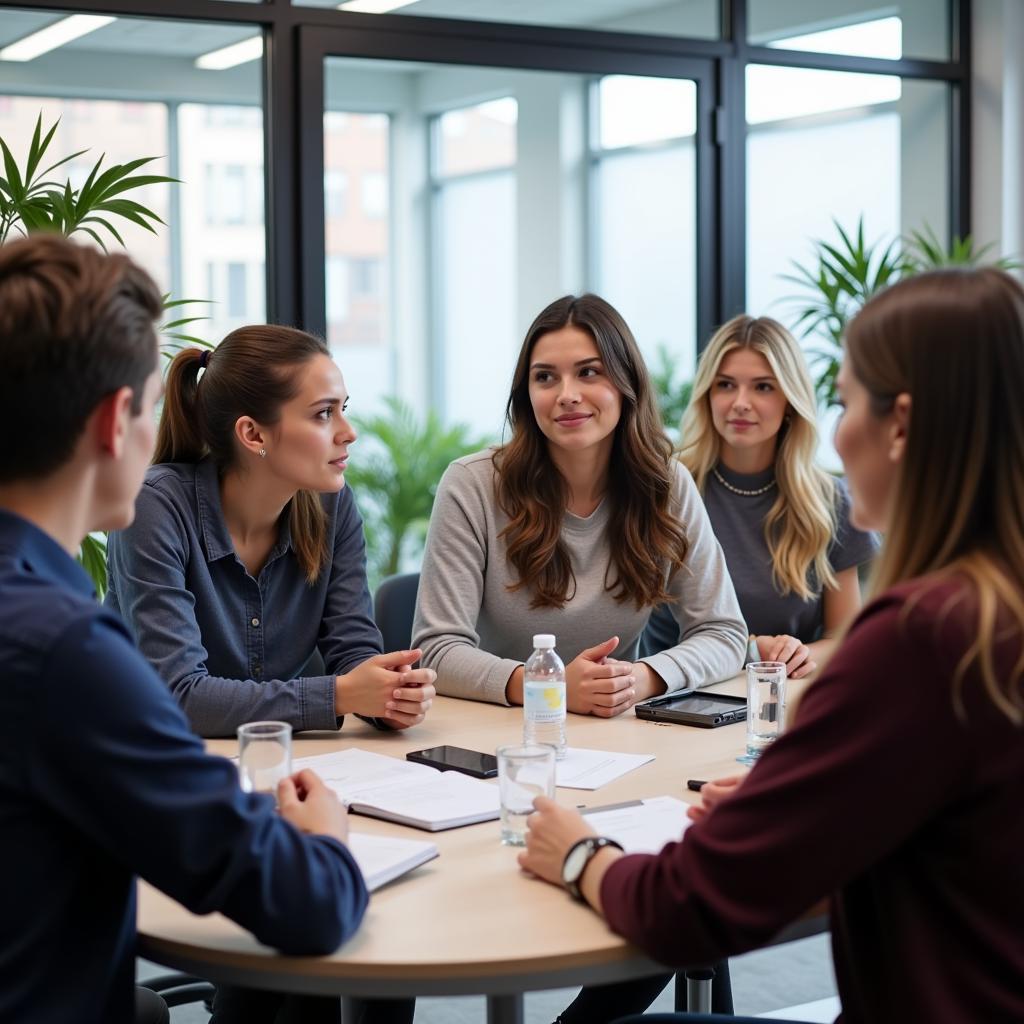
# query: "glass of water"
(766, 706)
(264, 756)
(525, 771)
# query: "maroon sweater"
(908, 816)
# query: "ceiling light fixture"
(231, 56)
(374, 6)
(57, 34)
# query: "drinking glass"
(264, 756)
(525, 771)
(766, 706)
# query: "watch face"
(575, 863)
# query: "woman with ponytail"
(247, 554)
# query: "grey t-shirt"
(738, 522)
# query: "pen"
(695, 784)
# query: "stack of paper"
(385, 858)
(642, 826)
(407, 793)
(591, 769)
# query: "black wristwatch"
(579, 856)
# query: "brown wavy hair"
(954, 341)
(252, 372)
(649, 542)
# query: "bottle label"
(544, 702)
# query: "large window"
(440, 170)
(134, 88)
(643, 210)
(912, 28)
(506, 190)
(474, 226)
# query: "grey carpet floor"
(770, 979)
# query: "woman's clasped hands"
(596, 684)
(386, 686)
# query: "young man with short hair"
(101, 778)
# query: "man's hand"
(306, 802)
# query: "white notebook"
(407, 793)
(385, 858)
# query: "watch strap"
(593, 844)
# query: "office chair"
(178, 989)
(393, 608)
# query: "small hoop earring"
(263, 453)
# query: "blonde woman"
(749, 439)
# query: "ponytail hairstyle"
(252, 372)
(954, 341)
(647, 537)
(801, 523)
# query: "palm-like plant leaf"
(844, 274)
(395, 478)
(30, 202)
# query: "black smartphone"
(707, 710)
(457, 759)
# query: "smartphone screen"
(458, 759)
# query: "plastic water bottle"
(544, 696)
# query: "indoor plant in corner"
(32, 200)
(844, 273)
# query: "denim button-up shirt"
(232, 647)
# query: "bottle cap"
(544, 640)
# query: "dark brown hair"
(953, 340)
(252, 372)
(649, 543)
(75, 326)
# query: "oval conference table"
(468, 922)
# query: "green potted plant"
(32, 200)
(843, 274)
(395, 477)
(671, 394)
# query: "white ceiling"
(170, 38)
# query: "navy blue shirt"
(232, 648)
(101, 779)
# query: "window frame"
(298, 40)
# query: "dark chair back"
(393, 608)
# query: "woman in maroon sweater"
(898, 794)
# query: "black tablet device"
(707, 710)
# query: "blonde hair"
(953, 340)
(801, 524)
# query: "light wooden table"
(469, 922)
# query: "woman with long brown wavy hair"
(579, 525)
(897, 792)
